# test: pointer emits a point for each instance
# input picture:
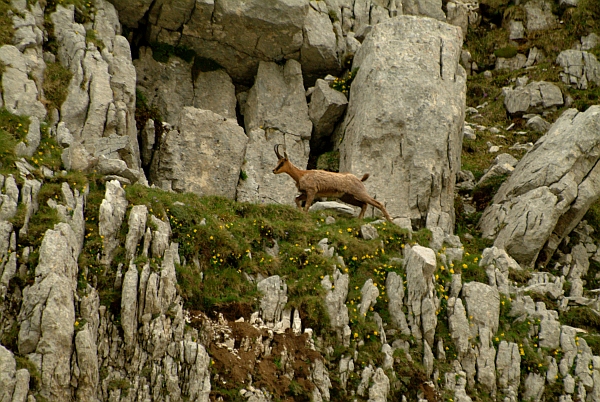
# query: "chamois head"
(282, 162)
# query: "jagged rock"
(516, 29)
(380, 140)
(533, 97)
(325, 110)
(137, 226)
(540, 16)
(320, 377)
(428, 359)
(112, 212)
(508, 364)
(369, 294)
(548, 193)
(213, 90)
(335, 299)
(534, 387)
(368, 232)
(537, 123)
(276, 101)
(86, 362)
(118, 167)
(203, 155)
(483, 305)
(420, 264)
(579, 68)
(129, 306)
(63, 135)
(378, 392)
(395, 291)
(10, 199)
(167, 86)
(590, 41)
(47, 313)
(512, 64)
(319, 54)
(160, 235)
(7, 374)
(32, 141)
(273, 302)
(546, 284)
(19, 92)
(459, 326)
(497, 263)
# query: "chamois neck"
(295, 172)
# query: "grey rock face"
(508, 364)
(137, 227)
(203, 155)
(325, 109)
(335, 299)
(533, 97)
(549, 191)
(380, 388)
(420, 264)
(7, 374)
(213, 90)
(47, 313)
(390, 113)
(579, 68)
(483, 304)
(273, 302)
(112, 212)
(319, 54)
(395, 291)
(539, 15)
(19, 92)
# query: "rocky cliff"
(148, 252)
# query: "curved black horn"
(277, 151)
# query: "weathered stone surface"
(407, 127)
(20, 93)
(534, 387)
(533, 97)
(137, 227)
(47, 313)
(112, 212)
(549, 191)
(508, 364)
(32, 140)
(203, 155)
(579, 68)
(273, 302)
(380, 388)
(335, 299)
(8, 368)
(167, 86)
(369, 294)
(540, 16)
(325, 109)
(318, 54)
(213, 90)
(428, 8)
(513, 63)
(333, 206)
(420, 264)
(483, 305)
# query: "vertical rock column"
(404, 118)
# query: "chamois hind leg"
(380, 206)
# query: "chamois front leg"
(310, 196)
(299, 200)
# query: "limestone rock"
(137, 227)
(508, 364)
(19, 92)
(550, 190)
(112, 212)
(579, 68)
(7, 374)
(369, 294)
(483, 305)
(420, 263)
(213, 90)
(318, 54)
(534, 387)
(273, 302)
(333, 206)
(203, 155)
(533, 97)
(389, 111)
(325, 109)
(540, 16)
(335, 299)
(513, 63)
(378, 392)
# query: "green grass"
(56, 81)
(6, 25)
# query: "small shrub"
(506, 52)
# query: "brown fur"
(320, 183)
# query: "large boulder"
(579, 68)
(549, 191)
(325, 110)
(203, 155)
(404, 119)
(534, 97)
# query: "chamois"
(320, 183)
